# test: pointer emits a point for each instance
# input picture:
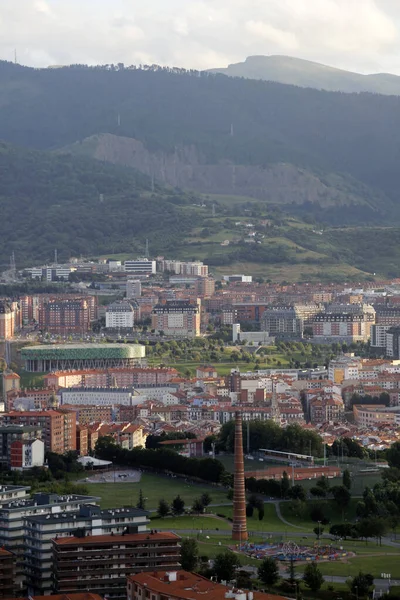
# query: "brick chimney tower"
(239, 529)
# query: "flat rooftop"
(91, 540)
(78, 515)
(54, 500)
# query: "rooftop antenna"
(147, 249)
(55, 257)
(15, 57)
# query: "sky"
(358, 35)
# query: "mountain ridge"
(290, 70)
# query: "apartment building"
(326, 408)
(97, 396)
(345, 322)
(9, 319)
(58, 427)
(373, 415)
(87, 413)
(283, 323)
(65, 316)
(120, 377)
(205, 287)
(14, 513)
(190, 269)
(133, 288)
(177, 318)
(104, 561)
(40, 530)
(7, 574)
(344, 367)
(120, 316)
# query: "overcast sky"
(360, 35)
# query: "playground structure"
(289, 551)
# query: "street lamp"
(319, 529)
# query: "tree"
(261, 513)
(225, 565)
(346, 480)
(268, 571)
(318, 531)
(393, 455)
(141, 503)
(297, 492)
(360, 584)
(313, 577)
(341, 496)
(291, 571)
(178, 505)
(285, 484)
(198, 506)
(249, 510)
(205, 499)
(163, 508)
(189, 554)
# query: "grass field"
(193, 523)
(154, 488)
(330, 510)
(382, 562)
(271, 522)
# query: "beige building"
(177, 318)
(373, 415)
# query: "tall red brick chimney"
(239, 529)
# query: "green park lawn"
(194, 523)
(154, 488)
(271, 523)
(382, 562)
(329, 508)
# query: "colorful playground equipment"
(289, 550)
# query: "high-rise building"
(66, 316)
(7, 320)
(205, 287)
(133, 288)
(58, 427)
(88, 520)
(120, 316)
(179, 318)
(283, 323)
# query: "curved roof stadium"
(49, 357)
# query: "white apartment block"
(120, 315)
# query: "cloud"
(356, 34)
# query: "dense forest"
(245, 121)
(80, 207)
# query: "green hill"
(214, 121)
(81, 207)
(305, 73)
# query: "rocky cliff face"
(186, 168)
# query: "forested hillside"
(244, 122)
(80, 207)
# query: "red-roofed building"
(182, 585)
(102, 562)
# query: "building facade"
(104, 561)
(177, 318)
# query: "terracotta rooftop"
(188, 586)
